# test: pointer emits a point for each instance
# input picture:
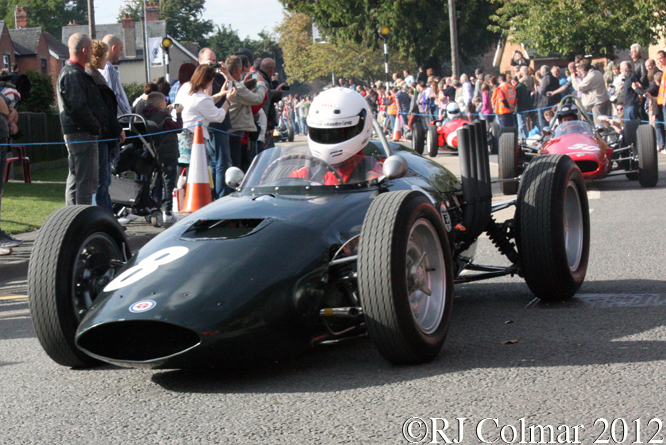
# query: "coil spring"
(498, 235)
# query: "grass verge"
(26, 206)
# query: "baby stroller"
(138, 185)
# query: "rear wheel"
(69, 266)
(553, 227)
(648, 170)
(508, 162)
(405, 277)
(432, 141)
(418, 138)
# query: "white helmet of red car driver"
(452, 111)
(339, 125)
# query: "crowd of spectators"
(240, 103)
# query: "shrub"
(133, 90)
(42, 93)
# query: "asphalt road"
(599, 358)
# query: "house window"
(44, 70)
(5, 62)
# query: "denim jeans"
(506, 120)
(659, 128)
(631, 112)
(170, 170)
(304, 127)
(522, 125)
(220, 160)
(235, 148)
(83, 160)
(102, 197)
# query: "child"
(156, 111)
(12, 97)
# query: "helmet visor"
(336, 135)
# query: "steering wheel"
(272, 166)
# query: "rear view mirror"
(394, 167)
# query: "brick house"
(6, 47)
(36, 49)
(131, 65)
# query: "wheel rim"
(573, 226)
(426, 280)
(92, 270)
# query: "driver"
(567, 112)
(452, 112)
(339, 127)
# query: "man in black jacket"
(548, 83)
(81, 110)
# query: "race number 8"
(146, 266)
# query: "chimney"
(129, 36)
(20, 18)
(152, 12)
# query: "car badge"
(142, 306)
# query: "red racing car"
(598, 151)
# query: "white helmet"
(339, 125)
(452, 110)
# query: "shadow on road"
(485, 318)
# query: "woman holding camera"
(199, 106)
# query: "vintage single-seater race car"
(438, 135)
(287, 262)
(598, 151)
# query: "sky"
(248, 17)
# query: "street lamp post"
(166, 44)
(384, 32)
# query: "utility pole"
(91, 19)
(146, 51)
(453, 26)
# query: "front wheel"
(553, 227)
(405, 277)
(432, 140)
(648, 170)
(69, 266)
(418, 138)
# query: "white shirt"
(198, 107)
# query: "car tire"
(648, 168)
(553, 227)
(69, 265)
(290, 133)
(630, 137)
(418, 138)
(433, 141)
(399, 229)
(494, 137)
(508, 162)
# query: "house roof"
(25, 40)
(56, 46)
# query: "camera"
(215, 65)
(286, 88)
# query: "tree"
(51, 15)
(306, 61)
(419, 28)
(184, 18)
(571, 27)
(224, 42)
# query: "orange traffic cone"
(397, 128)
(198, 186)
